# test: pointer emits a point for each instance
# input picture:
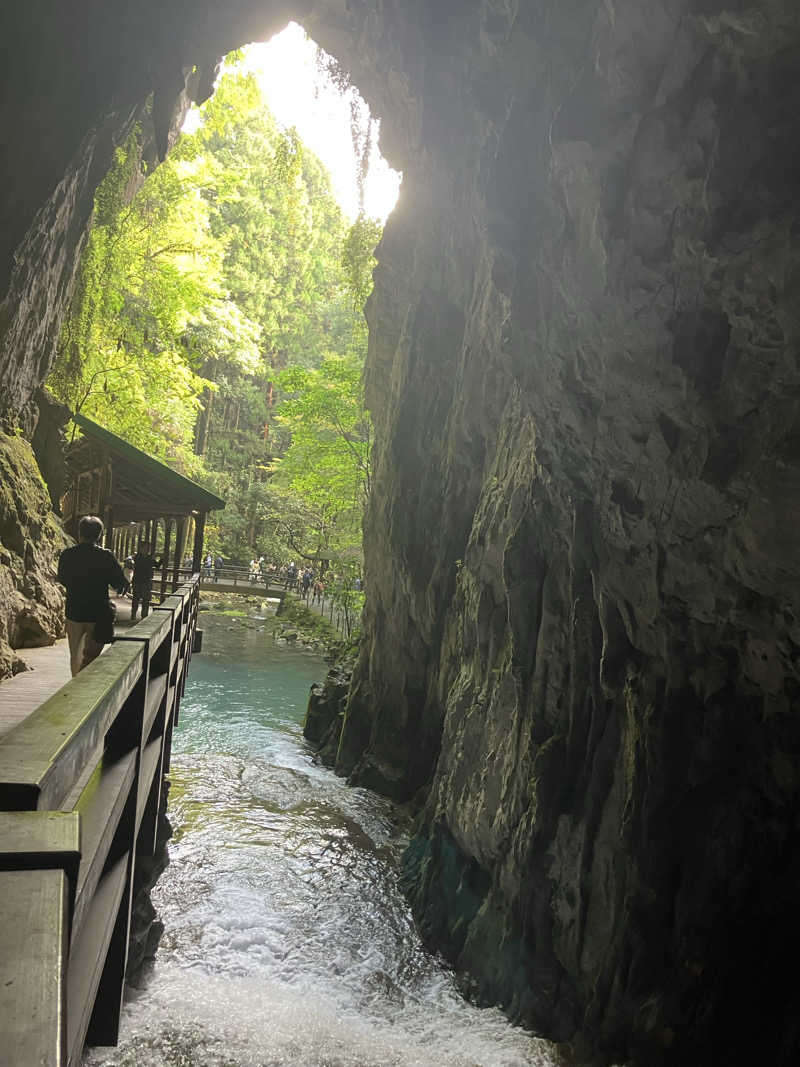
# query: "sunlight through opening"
(334, 122)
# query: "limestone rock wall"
(31, 604)
(583, 576)
(582, 617)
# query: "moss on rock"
(31, 603)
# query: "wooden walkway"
(82, 775)
(22, 694)
(48, 670)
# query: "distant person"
(208, 565)
(218, 568)
(143, 567)
(291, 575)
(87, 570)
(307, 576)
(127, 569)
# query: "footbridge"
(81, 787)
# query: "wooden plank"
(174, 602)
(33, 947)
(155, 695)
(23, 694)
(41, 758)
(88, 955)
(101, 806)
(150, 765)
(152, 629)
(71, 799)
(31, 840)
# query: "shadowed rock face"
(583, 588)
(31, 604)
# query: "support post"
(108, 521)
(197, 549)
(181, 526)
(165, 557)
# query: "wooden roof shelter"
(133, 493)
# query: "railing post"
(98, 747)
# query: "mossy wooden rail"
(80, 793)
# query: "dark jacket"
(87, 571)
(143, 567)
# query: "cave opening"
(584, 334)
(218, 316)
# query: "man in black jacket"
(143, 566)
(87, 570)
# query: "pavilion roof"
(142, 487)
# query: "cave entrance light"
(304, 89)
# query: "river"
(286, 939)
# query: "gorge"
(582, 634)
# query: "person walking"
(86, 571)
(143, 567)
(291, 575)
(127, 570)
(306, 580)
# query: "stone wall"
(583, 581)
(582, 623)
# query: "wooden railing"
(230, 579)
(80, 792)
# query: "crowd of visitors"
(87, 571)
(300, 578)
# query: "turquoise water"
(286, 939)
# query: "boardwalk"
(48, 670)
(82, 766)
(22, 694)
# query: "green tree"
(327, 464)
(150, 266)
(218, 324)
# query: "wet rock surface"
(583, 588)
(325, 713)
(31, 603)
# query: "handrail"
(80, 793)
(227, 577)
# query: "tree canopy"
(218, 325)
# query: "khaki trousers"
(82, 646)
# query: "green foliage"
(358, 258)
(218, 324)
(149, 267)
(327, 464)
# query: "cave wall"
(583, 620)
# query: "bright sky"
(300, 94)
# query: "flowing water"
(286, 939)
